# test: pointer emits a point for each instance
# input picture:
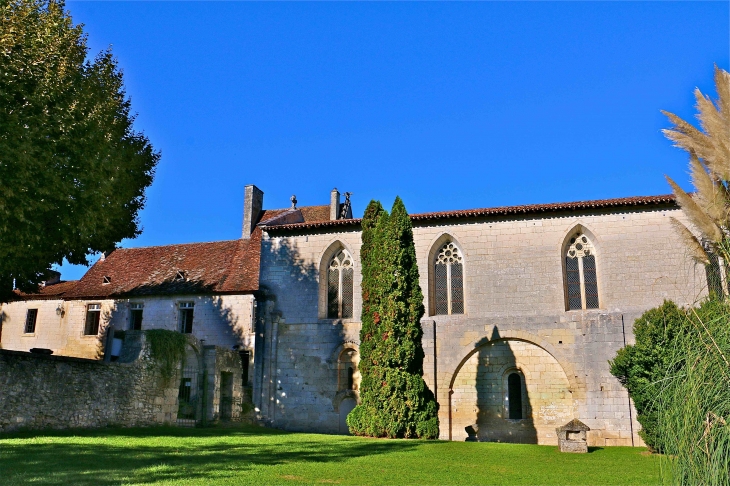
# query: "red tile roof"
(50, 292)
(667, 199)
(216, 267)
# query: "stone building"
(525, 305)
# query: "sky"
(448, 105)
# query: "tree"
(709, 209)
(395, 401)
(73, 170)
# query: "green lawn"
(252, 455)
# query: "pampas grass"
(708, 209)
(694, 399)
(694, 402)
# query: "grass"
(253, 455)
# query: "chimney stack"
(253, 203)
(334, 204)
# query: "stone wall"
(55, 392)
(514, 299)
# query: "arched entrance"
(513, 390)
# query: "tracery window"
(449, 280)
(340, 278)
(581, 282)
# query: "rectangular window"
(30, 319)
(186, 317)
(135, 317)
(93, 317)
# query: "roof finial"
(293, 199)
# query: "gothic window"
(716, 274)
(448, 281)
(340, 278)
(581, 283)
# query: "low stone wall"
(55, 392)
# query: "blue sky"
(449, 105)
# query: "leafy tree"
(72, 169)
(709, 149)
(395, 401)
(642, 367)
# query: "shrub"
(641, 367)
(395, 401)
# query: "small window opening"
(93, 318)
(135, 317)
(514, 394)
(186, 317)
(180, 276)
(30, 320)
(106, 280)
(350, 378)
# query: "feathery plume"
(696, 215)
(697, 253)
(709, 194)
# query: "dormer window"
(106, 280)
(180, 276)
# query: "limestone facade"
(515, 319)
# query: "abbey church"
(525, 306)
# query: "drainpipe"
(204, 398)
(631, 418)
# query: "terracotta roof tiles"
(500, 211)
(216, 267)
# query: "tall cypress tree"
(395, 401)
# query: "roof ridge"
(504, 210)
(175, 244)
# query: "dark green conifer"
(395, 401)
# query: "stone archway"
(479, 394)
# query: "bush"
(395, 401)
(678, 374)
(641, 367)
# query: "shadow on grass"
(113, 456)
(594, 449)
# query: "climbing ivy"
(167, 348)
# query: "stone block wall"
(514, 300)
(55, 392)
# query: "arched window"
(340, 277)
(448, 281)
(581, 283)
(514, 396)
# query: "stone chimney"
(253, 203)
(335, 204)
